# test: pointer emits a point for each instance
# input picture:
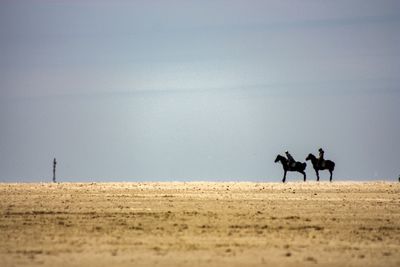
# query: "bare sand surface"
(200, 224)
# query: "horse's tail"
(304, 165)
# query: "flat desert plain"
(200, 224)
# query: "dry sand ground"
(200, 224)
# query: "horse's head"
(280, 158)
(310, 157)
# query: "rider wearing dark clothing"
(321, 157)
(291, 160)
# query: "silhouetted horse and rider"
(289, 164)
(320, 164)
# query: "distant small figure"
(291, 161)
(54, 170)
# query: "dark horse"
(326, 165)
(298, 167)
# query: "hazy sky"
(198, 90)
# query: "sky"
(198, 90)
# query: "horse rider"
(321, 157)
(291, 161)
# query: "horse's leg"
(316, 171)
(330, 179)
(284, 176)
(304, 174)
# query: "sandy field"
(200, 224)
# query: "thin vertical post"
(54, 170)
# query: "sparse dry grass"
(200, 224)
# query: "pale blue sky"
(197, 90)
